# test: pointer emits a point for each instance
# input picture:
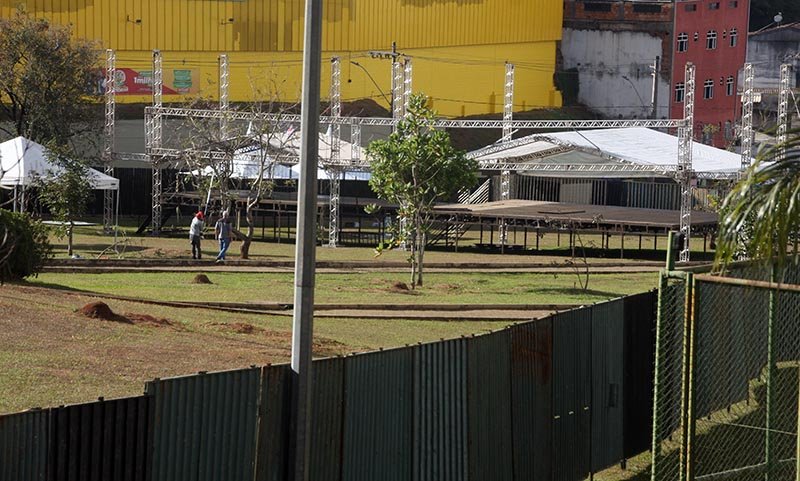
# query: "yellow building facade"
(458, 47)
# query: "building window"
(646, 8)
(683, 42)
(696, 36)
(690, 7)
(733, 4)
(734, 37)
(729, 86)
(713, 6)
(596, 7)
(711, 40)
(708, 89)
(680, 91)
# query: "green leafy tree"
(65, 192)
(45, 76)
(414, 168)
(760, 218)
(23, 245)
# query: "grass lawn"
(363, 288)
(51, 355)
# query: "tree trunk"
(420, 255)
(248, 239)
(413, 264)
(69, 239)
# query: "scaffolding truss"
(333, 172)
(685, 138)
(108, 141)
(224, 84)
(154, 140)
(157, 154)
(783, 109)
(747, 117)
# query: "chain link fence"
(726, 395)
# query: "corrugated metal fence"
(555, 398)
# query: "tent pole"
(22, 200)
(116, 220)
(14, 202)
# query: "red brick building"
(612, 45)
(712, 34)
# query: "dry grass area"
(51, 354)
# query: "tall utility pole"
(654, 96)
(305, 252)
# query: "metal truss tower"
(334, 171)
(398, 84)
(407, 78)
(108, 144)
(508, 117)
(224, 84)
(783, 109)
(747, 117)
(155, 141)
(684, 173)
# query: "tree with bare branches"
(242, 173)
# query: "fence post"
(769, 441)
(657, 374)
(687, 403)
(797, 432)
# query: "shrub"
(23, 246)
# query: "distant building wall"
(614, 71)
(613, 45)
(459, 48)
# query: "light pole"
(305, 252)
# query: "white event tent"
(22, 161)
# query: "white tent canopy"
(24, 160)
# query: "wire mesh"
(730, 372)
(729, 381)
(667, 434)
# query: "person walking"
(222, 231)
(196, 233)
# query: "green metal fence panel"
(102, 440)
(531, 399)
(205, 426)
(489, 407)
(608, 383)
(572, 371)
(378, 416)
(639, 359)
(273, 424)
(440, 414)
(668, 389)
(326, 419)
(24, 446)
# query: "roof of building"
(626, 152)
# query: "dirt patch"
(401, 288)
(237, 327)
(100, 310)
(149, 320)
(447, 287)
(201, 279)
